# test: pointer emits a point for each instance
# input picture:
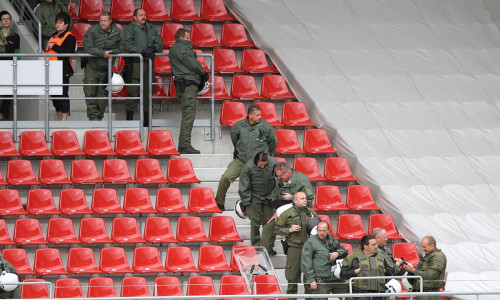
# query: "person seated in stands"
(9, 43)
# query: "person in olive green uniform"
(381, 237)
(289, 182)
(101, 40)
(367, 262)
(432, 268)
(292, 224)
(140, 37)
(249, 136)
(7, 267)
(319, 254)
(256, 187)
(46, 13)
(188, 74)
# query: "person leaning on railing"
(9, 43)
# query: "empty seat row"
(351, 227)
(84, 171)
(95, 143)
(106, 201)
(180, 10)
(124, 230)
(358, 198)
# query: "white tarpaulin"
(409, 91)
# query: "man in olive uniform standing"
(432, 268)
(101, 40)
(46, 12)
(292, 224)
(249, 136)
(140, 37)
(289, 182)
(319, 254)
(256, 188)
(7, 267)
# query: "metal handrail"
(22, 7)
(386, 277)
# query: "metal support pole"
(212, 100)
(150, 95)
(110, 95)
(47, 99)
(14, 97)
(141, 100)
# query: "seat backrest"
(201, 199)
(328, 198)
(308, 166)
(232, 112)
(338, 169)
(288, 142)
(269, 113)
(36, 291)
(168, 31)
(155, 10)
(214, 10)
(82, 261)
(316, 141)
(28, 231)
(203, 35)
(406, 250)
(234, 35)
(10, 203)
(84, 171)
(134, 287)
(128, 142)
(96, 143)
(93, 231)
(385, 221)
(244, 87)
(183, 10)
(137, 200)
(295, 114)
(168, 286)
(105, 201)
(126, 230)
(61, 231)
(158, 230)
(200, 285)
(20, 172)
(19, 260)
(122, 10)
(73, 202)
(147, 260)
(5, 238)
(225, 61)
(148, 171)
(48, 262)
(79, 30)
(180, 259)
(169, 200)
(101, 287)
(65, 143)
(160, 142)
(254, 61)
(233, 285)
(116, 170)
(7, 146)
(52, 171)
(90, 9)
(350, 226)
(114, 260)
(33, 143)
(211, 258)
(266, 284)
(274, 87)
(180, 170)
(41, 202)
(190, 229)
(223, 229)
(68, 288)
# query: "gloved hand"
(204, 77)
(149, 52)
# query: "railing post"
(141, 98)
(150, 95)
(212, 98)
(47, 99)
(14, 97)
(110, 95)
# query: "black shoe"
(272, 253)
(221, 207)
(129, 115)
(189, 150)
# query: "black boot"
(145, 123)
(129, 115)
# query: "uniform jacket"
(183, 61)
(96, 41)
(11, 43)
(63, 45)
(46, 13)
(257, 182)
(299, 182)
(294, 216)
(16, 293)
(316, 257)
(138, 38)
(387, 252)
(432, 269)
(248, 140)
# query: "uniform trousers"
(259, 213)
(232, 172)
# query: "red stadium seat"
(158, 230)
(147, 260)
(96, 143)
(5, 238)
(234, 35)
(308, 166)
(82, 261)
(295, 114)
(254, 61)
(168, 286)
(28, 232)
(134, 287)
(406, 250)
(246, 253)
(90, 9)
(61, 231)
(183, 10)
(33, 143)
(359, 197)
(278, 159)
(65, 143)
(160, 142)
(202, 200)
(155, 10)
(128, 142)
(41, 202)
(169, 201)
(274, 87)
(19, 260)
(200, 286)
(122, 10)
(244, 87)
(328, 199)
(203, 35)
(220, 91)
(48, 262)
(10, 203)
(317, 141)
(101, 287)
(190, 229)
(288, 142)
(52, 171)
(212, 259)
(20, 172)
(326, 218)
(73, 202)
(384, 221)
(337, 169)
(148, 171)
(350, 227)
(202, 60)
(269, 113)
(35, 291)
(84, 171)
(105, 201)
(79, 30)
(225, 61)
(180, 170)
(159, 92)
(116, 171)
(266, 285)
(168, 31)
(137, 200)
(119, 65)
(232, 112)
(93, 231)
(214, 10)
(233, 285)
(68, 288)
(126, 230)
(7, 146)
(223, 229)
(2, 181)
(180, 260)
(162, 63)
(347, 247)
(114, 261)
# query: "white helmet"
(9, 281)
(205, 88)
(393, 286)
(282, 208)
(239, 210)
(117, 83)
(406, 284)
(336, 268)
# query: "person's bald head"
(428, 244)
(300, 199)
(381, 236)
